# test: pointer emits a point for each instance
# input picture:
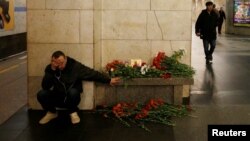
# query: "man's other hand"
(115, 81)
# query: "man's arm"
(198, 25)
(89, 74)
(47, 81)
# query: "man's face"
(59, 62)
(209, 8)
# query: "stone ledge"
(141, 90)
(158, 81)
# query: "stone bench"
(141, 90)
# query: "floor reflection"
(209, 84)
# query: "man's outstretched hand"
(115, 81)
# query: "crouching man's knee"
(43, 95)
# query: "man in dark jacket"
(62, 85)
(221, 19)
(205, 27)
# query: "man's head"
(58, 60)
(209, 6)
(214, 5)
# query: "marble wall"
(59, 25)
(96, 32)
(141, 28)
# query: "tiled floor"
(92, 128)
(220, 95)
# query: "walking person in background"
(205, 28)
(221, 19)
(216, 10)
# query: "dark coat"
(71, 77)
(222, 16)
(206, 25)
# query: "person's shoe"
(74, 118)
(48, 117)
(208, 62)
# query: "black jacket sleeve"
(47, 81)
(198, 24)
(89, 74)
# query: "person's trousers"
(209, 46)
(220, 26)
(49, 100)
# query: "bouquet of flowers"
(156, 111)
(162, 67)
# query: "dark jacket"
(206, 25)
(71, 77)
(222, 16)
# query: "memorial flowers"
(155, 110)
(162, 66)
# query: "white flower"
(144, 69)
(126, 64)
(112, 69)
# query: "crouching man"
(62, 85)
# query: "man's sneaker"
(74, 118)
(48, 117)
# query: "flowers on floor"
(162, 67)
(156, 111)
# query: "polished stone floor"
(13, 85)
(220, 95)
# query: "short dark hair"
(209, 3)
(57, 54)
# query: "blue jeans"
(49, 100)
(209, 51)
